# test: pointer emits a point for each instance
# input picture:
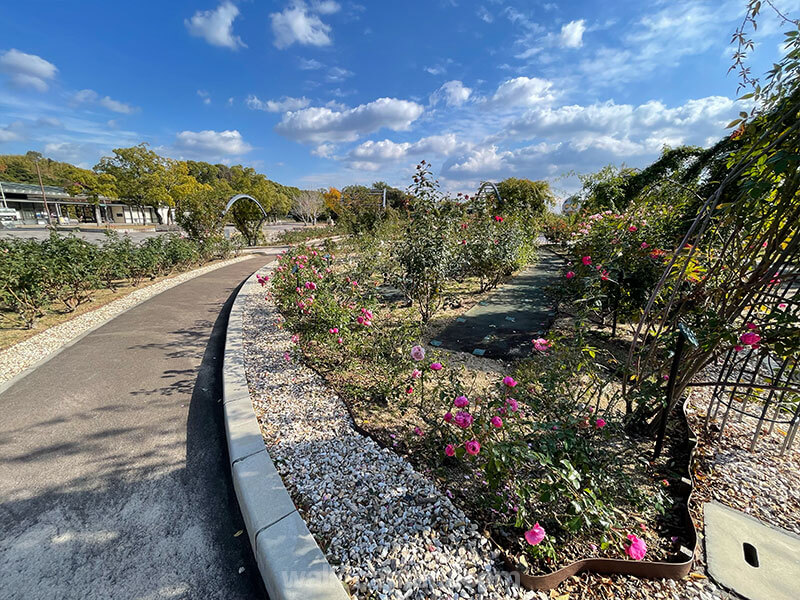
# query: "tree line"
(140, 177)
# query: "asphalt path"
(114, 478)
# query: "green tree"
(524, 197)
(139, 175)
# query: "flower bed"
(381, 523)
(551, 478)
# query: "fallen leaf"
(238, 533)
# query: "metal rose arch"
(725, 314)
(252, 235)
(238, 197)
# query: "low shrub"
(66, 270)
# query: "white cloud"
(90, 97)
(452, 93)
(310, 64)
(83, 96)
(297, 24)
(11, 132)
(337, 74)
(523, 91)
(117, 106)
(282, 105)
(68, 151)
(211, 143)
(205, 96)
(572, 34)
(484, 15)
(323, 124)
(325, 7)
(324, 150)
(27, 70)
(216, 26)
(625, 129)
(371, 156)
(660, 40)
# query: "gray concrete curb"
(291, 563)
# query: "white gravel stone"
(366, 505)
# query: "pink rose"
(637, 548)
(535, 535)
(417, 353)
(497, 422)
(461, 402)
(448, 416)
(509, 381)
(512, 404)
(436, 366)
(570, 274)
(541, 344)
(600, 423)
(463, 419)
(415, 374)
(587, 260)
(750, 339)
(449, 450)
(472, 447)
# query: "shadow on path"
(121, 488)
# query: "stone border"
(83, 325)
(291, 563)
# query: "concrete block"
(262, 498)
(293, 566)
(242, 430)
(753, 559)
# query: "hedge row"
(63, 272)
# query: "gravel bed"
(25, 354)
(386, 530)
(761, 483)
(390, 533)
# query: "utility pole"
(44, 197)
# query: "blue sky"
(318, 93)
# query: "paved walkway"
(503, 325)
(114, 481)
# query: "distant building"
(28, 205)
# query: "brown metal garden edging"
(638, 568)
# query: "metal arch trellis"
(482, 190)
(752, 281)
(238, 197)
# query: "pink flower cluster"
(262, 279)
(365, 318)
(541, 344)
